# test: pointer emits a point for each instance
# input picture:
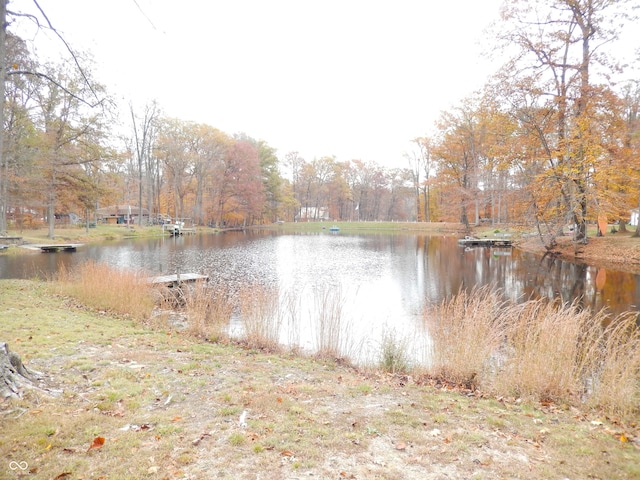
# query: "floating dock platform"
(55, 247)
(178, 278)
(485, 242)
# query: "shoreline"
(619, 251)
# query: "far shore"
(617, 251)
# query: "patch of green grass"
(237, 439)
(496, 422)
(229, 411)
(296, 410)
(440, 418)
(372, 431)
(398, 417)
(394, 356)
(168, 429)
(364, 389)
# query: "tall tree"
(630, 99)
(144, 134)
(210, 148)
(241, 197)
(271, 177)
(176, 149)
(416, 167)
(18, 137)
(67, 127)
(324, 169)
(80, 87)
(423, 159)
(461, 155)
(559, 45)
(294, 162)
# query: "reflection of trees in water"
(563, 280)
(591, 287)
(621, 288)
(523, 276)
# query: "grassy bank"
(114, 232)
(84, 235)
(137, 395)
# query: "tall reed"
(103, 287)
(331, 328)
(615, 384)
(208, 309)
(550, 350)
(539, 349)
(261, 316)
(467, 332)
(291, 305)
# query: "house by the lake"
(122, 215)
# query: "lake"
(384, 281)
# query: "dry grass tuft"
(394, 357)
(466, 331)
(540, 350)
(100, 286)
(548, 350)
(616, 378)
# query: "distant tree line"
(550, 141)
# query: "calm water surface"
(385, 281)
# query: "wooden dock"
(55, 247)
(178, 278)
(485, 242)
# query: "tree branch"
(73, 55)
(47, 77)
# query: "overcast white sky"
(357, 79)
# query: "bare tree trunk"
(622, 226)
(51, 215)
(3, 175)
(636, 233)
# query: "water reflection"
(386, 280)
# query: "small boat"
(334, 229)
